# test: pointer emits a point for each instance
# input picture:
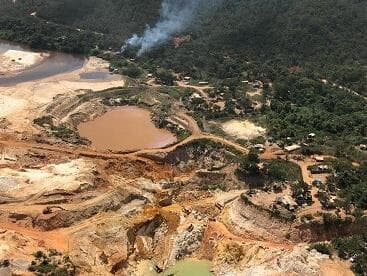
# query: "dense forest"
(301, 105)
(283, 30)
(328, 36)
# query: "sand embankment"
(17, 60)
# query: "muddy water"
(96, 76)
(56, 64)
(188, 267)
(125, 129)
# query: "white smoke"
(175, 16)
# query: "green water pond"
(188, 267)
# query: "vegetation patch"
(52, 263)
(282, 170)
(61, 131)
(301, 105)
(323, 248)
(350, 183)
(352, 248)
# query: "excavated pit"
(125, 129)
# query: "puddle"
(188, 267)
(124, 129)
(96, 76)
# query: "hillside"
(183, 137)
(327, 35)
(294, 31)
(315, 34)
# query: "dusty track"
(220, 230)
(199, 89)
(51, 239)
(192, 124)
(96, 154)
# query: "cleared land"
(109, 211)
(243, 129)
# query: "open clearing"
(16, 60)
(243, 129)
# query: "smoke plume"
(175, 16)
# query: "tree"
(249, 165)
(166, 76)
(132, 71)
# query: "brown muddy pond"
(125, 129)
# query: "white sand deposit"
(9, 105)
(15, 60)
(68, 176)
(243, 129)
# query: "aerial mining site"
(147, 161)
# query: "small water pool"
(188, 267)
(125, 129)
(96, 76)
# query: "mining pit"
(163, 210)
(125, 129)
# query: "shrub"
(132, 71)
(354, 249)
(44, 120)
(281, 170)
(54, 264)
(323, 248)
(166, 77)
(249, 165)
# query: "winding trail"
(52, 239)
(193, 138)
(355, 93)
(191, 123)
(90, 153)
(199, 89)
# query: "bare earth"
(22, 103)
(242, 129)
(14, 60)
(109, 211)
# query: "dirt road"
(199, 89)
(90, 153)
(51, 239)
